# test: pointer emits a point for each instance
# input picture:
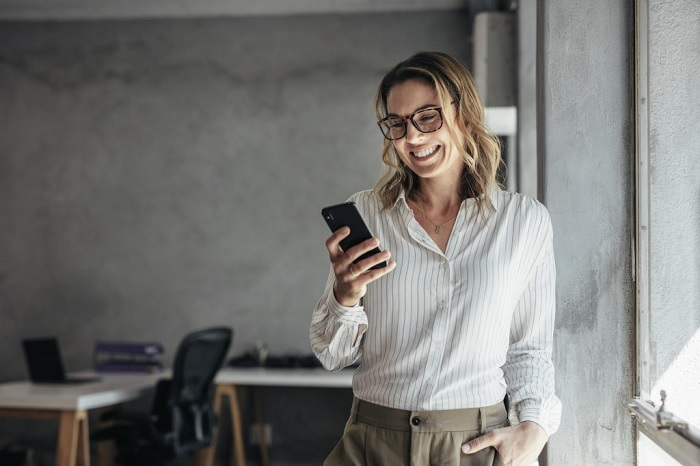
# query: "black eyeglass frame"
(413, 122)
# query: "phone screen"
(346, 214)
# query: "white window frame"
(664, 429)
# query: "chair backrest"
(199, 356)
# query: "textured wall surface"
(674, 146)
(527, 178)
(162, 176)
(586, 93)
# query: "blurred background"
(163, 166)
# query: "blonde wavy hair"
(481, 151)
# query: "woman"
(464, 315)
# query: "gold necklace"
(437, 227)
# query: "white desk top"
(274, 377)
(115, 388)
(110, 390)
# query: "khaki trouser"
(379, 436)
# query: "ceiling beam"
(132, 9)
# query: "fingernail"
(466, 448)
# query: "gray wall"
(674, 146)
(162, 176)
(527, 178)
(585, 91)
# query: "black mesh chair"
(181, 420)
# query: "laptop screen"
(44, 360)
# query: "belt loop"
(481, 421)
(354, 409)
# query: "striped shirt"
(452, 330)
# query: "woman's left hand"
(518, 445)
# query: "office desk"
(69, 405)
(229, 379)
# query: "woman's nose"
(412, 133)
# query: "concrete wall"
(674, 146)
(162, 176)
(527, 179)
(586, 154)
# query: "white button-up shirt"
(452, 330)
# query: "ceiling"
(116, 9)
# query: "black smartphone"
(346, 214)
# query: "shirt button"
(415, 421)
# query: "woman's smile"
(423, 153)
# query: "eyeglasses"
(427, 120)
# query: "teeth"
(425, 153)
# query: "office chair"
(181, 420)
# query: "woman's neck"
(439, 197)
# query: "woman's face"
(431, 156)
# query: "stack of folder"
(128, 356)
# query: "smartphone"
(346, 214)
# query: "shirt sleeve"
(336, 330)
(529, 371)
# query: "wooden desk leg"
(106, 452)
(73, 447)
(236, 425)
(206, 457)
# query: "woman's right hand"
(351, 279)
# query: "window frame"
(666, 431)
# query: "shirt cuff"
(547, 415)
(346, 314)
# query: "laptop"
(45, 364)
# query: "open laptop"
(45, 363)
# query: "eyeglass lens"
(425, 121)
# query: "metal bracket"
(672, 434)
(666, 419)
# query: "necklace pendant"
(437, 229)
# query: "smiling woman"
(471, 273)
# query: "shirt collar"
(493, 195)
(401, 198)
